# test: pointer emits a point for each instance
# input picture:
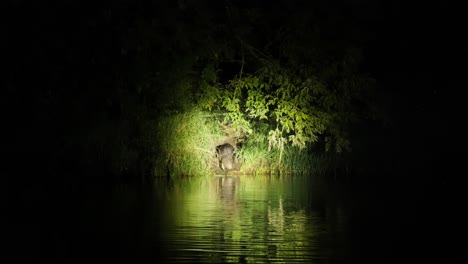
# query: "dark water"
(252, 220)
(242, 219)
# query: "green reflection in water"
(247, 219)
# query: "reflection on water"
(235, 219)
(249, 219)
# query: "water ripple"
(249, 220)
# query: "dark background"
(410, 203)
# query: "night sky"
(72, 53)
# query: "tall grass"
(257, 159)
(185, 146)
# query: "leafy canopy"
(295, 102)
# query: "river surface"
(245, 219)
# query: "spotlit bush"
(186, 145)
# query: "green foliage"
(154, 95)
(185, 143)
(255, 156)
(295, 104)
